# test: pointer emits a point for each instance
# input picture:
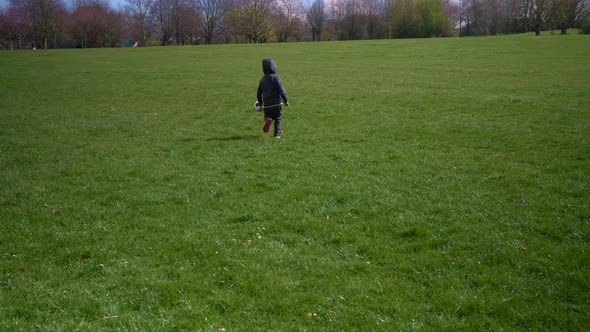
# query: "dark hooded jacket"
(271, 92)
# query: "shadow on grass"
(222, 139)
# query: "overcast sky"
(117, 3)
(114, 3)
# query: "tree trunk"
(563, 31)
(538, 31)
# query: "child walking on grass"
(271, 95)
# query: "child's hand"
(286, 104)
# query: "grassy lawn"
(432, 184)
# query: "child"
(271, 95)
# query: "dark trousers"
(275, 113)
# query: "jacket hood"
(269, 66)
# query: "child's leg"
(267, 120)
(278, 119)
(270, 116)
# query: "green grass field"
(434, 184)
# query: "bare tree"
(402, 19)
(88, 19)
(190, 23)
(138, 13)
(375, 12)
(162, 13)
(505, 16)
(462, 14)
(286, 18)
(534, 13)
(352, 26)
(231, 24)
(253, 20)
(540, 14)
(315, 18)
(360, 19)
(212, 12)
(5, 34)
(453, 10)
(16, 24)
(171, 19)
(487, 17)
(568, 12)
(95, 24)
(43, 16)
(473, 14)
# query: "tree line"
(95, 23)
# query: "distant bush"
(586, 26)
(152, 42)
(418, 18)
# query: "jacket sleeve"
(282, 91)
(259, 93)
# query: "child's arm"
(259, 94)
(282, 92)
